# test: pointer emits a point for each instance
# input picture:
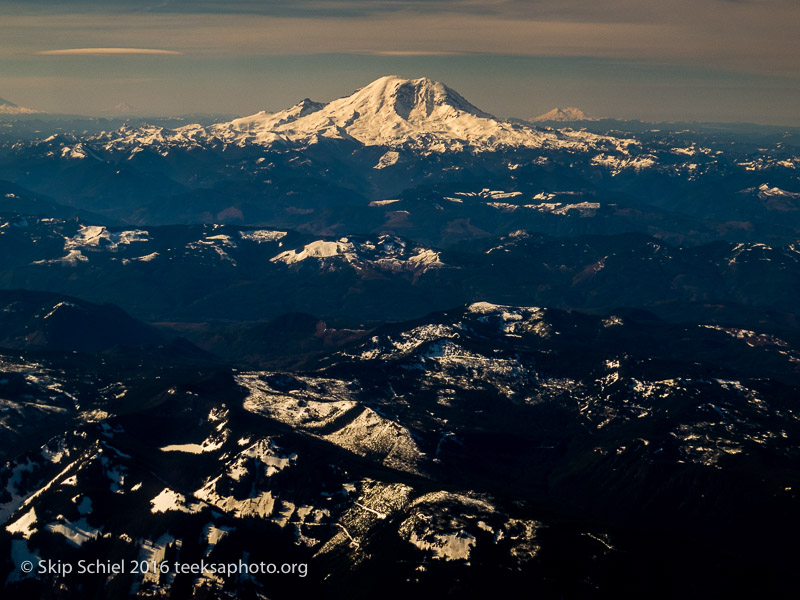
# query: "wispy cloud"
(105, 51)
(409, 52)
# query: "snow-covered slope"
(261, 127)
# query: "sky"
(705, 60)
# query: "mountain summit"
(413, 100)
(567, 114)
(124, 108)
(390, 111)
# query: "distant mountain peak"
(569, 113)
(9, 108)
(124, 108)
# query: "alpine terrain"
(394, 345)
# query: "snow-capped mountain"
(9, 108)
(393, 112)
(123, 108)
(565, 115)
(389, 111)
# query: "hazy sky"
(725, 60)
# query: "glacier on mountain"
(393, 112)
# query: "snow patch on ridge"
(318, 249)
(262, 235)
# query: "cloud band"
(106, 52)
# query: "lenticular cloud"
(105, 51)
